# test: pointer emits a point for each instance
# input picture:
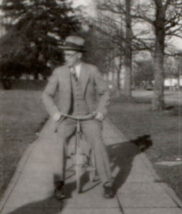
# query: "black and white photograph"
(90, 106)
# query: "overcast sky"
(82, 2)
(88, 4)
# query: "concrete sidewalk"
(139, 189)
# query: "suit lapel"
(84, 77)
(66, 78)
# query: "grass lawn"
(22, 114)
(136, 119)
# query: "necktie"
(73, 72)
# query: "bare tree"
(165, 17)
(128, 49)
(159, 20)
(109, 26)
(111, 21)
(116, 16)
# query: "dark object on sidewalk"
(143, 142)
(108, 191)
(59, 190)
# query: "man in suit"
(78, 85)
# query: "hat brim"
(72, 48)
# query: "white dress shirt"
(78, 69)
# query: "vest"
(78, 104)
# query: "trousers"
(92, 131)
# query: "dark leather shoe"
(59, 190)
(108, 191)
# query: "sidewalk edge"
(167, 189)
(16, 175)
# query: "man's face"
(72, 57)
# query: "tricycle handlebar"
(85, 117)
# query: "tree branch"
(145, 18)
(168, 2)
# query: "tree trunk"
(118, 83)
(128, 52)
(119, 76)
(36, 75)
(158, 96)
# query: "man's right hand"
(99, 116)
(57, 116)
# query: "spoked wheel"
(92, 166)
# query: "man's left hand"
(99, 116)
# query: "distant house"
(173, 82)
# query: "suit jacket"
(94, 88)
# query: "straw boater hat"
(75, 43)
